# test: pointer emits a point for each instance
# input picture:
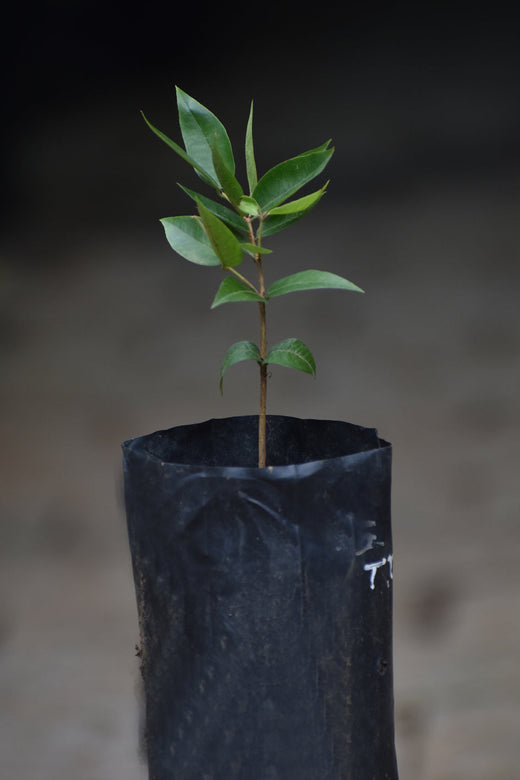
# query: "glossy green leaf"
(292, 353)
(252, 176)
(204, 174)
(253, 249)
(241, 350)
(227, 179)
(310, 280)
(224, 242)
(233, 290)
(188, 238)
(277, 223)
(232, 220)
(299, 205)
(248, 207)
(287, 177)
(201, 130)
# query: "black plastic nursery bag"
(264, 600)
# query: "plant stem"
(263, 391)
(262, 455)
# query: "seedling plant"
(227, 230)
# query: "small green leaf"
(231, 219)
(248, 207)
(204, 174)
(253, 249)
(233, 290)
(252, 177)
(201, 130)
(188, 238)
(287, 177)
(241, 350)
(225, 244)
(292, 353)
(300, 204)
(227, 179)
(310, 280)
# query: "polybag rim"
(137, 446)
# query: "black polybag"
(264, 600)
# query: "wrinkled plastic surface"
(264, 600)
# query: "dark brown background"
(105, 334)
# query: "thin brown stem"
(262, 416)
(262, 456)
(262, 449)
(251, 231)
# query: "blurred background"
(105, 334)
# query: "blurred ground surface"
(105, 335)
(430, 356)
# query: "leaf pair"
(288, 177)
(291, 353)
(233, 290)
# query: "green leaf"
(277, 223)
(231, 219)
(253, 249)
(204, 174)
(248, 207)
(188, 238)
(233, 290)
(292, 353)
(300, 205)
(224, 242)
(310, 280)
(252, 177)
(229, 183)
(287, 177)
(201, 130)
(241, 350)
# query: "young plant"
(223, 232)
